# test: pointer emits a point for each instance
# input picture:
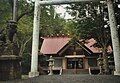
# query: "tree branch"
(23, 46)
(25, 13)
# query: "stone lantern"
(51, 64)
(10, 67)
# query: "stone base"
(116, 72)
(10, 67)
(33, 74)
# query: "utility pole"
(35, 41)
(114, 37)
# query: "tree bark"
(114, 37)
(15, 9)
(105, 61)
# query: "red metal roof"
(94, 49)
(90, 44)
(52, 45)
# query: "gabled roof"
(52, 45)
(90, 46)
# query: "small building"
(71, 56)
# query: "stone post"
(35, 41)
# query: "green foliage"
(90, 23)
(5, 12)
(84, 24)
(51, 23)
(70, 28)
(26, 63)
(24, 34)
(25, 26)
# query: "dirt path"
(70, 79)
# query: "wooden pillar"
(86, 63)
(64, 63)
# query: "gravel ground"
(70, 79)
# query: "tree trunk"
(22, 48)
(114, 37)
(15, 3)
(105, 62)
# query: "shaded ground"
(70, 79)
